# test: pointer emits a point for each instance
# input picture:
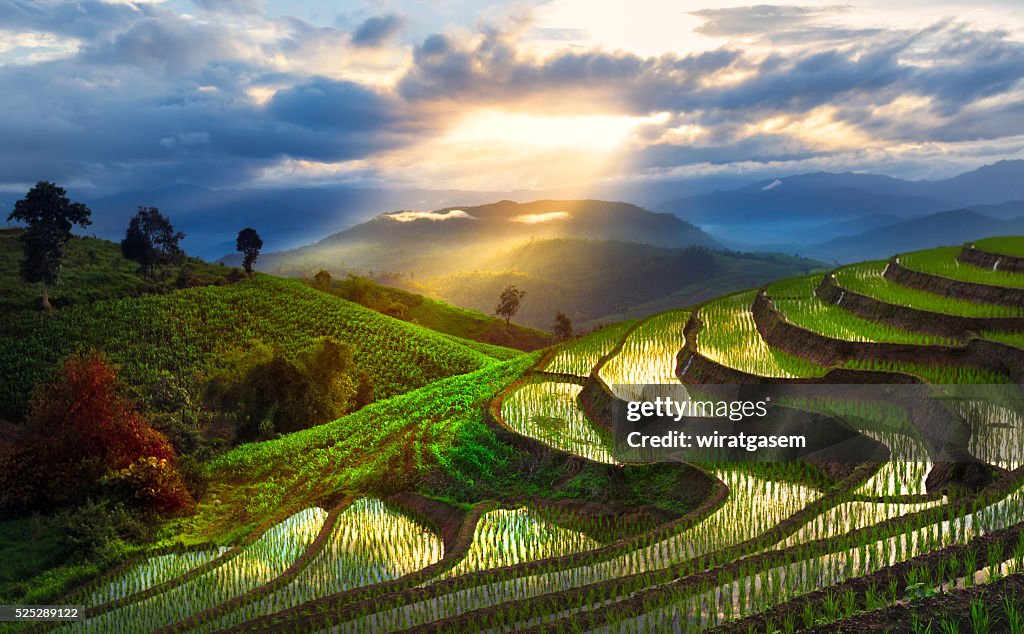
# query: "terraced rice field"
(866, 278)
(549, 412)
(580, 355)
(778, 531)
(1007, 245)
(943, 262)
(370, 543)
(505, 537)
(729, 337)
(648, 357)
(803, 308)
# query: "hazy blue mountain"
(945, 228)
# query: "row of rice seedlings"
(850, 516)
(906, 471)
(370, 543)
(549, 412)
(935, 374)
(1006, 245)
(580, 355)
(257, 564)
(808, 311)
(149, 573)
(867, 279)
(755, 505)
(729, 337)
(1001, 563)
(648, 356)
(997, 433)
(752, 591)
(1009, 338)
(505, 537)
(943, 262)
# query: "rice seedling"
(505, 537)
(752, 591)
(580, 355)
(806, 310)
(729, 337)
(648, 356)
(255, 565)
(549, 412)
(867, 279)
(942, 262)
(370, 543)
(149, 573)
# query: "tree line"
(150, 239)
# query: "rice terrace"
(511, 316)
(480, 492)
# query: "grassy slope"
(177, 336)
(93, 270)
(464, 323)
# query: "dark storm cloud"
(376, 30)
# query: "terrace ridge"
(978, 353)
(972, 255)
(959, 289)
(907, 317)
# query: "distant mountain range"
(948, 227)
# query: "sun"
(587, 132)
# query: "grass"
(942, 262)
(179, 337)
(866, 279)
(1006, 245)
(648, 355)
(94, 270)
(801, 307)
(463, 323)
(728, 336)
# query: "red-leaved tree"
(83, 432)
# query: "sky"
(113, 95)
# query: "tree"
(49, 215)
(82, 434)
(509, 301)
(562, 327)
(249, 244)
(322, 279)
(152, 241)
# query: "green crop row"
(578, 356)
(943, 262)
(866, 279)
(1006, 245)
(728, 336)
(805, 309)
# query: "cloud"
(536, 219)
(410, 216)
(376, 30)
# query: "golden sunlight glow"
(592, 132)
(819, 129)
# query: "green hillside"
(599, 281)
(437, 315)
(182, 335)
(94, 270)
(505, 509)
